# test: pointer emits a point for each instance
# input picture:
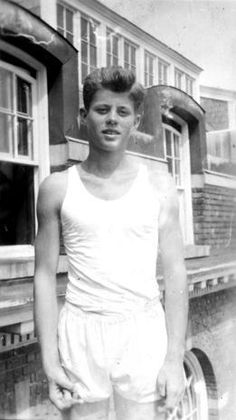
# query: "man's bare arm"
(46, 311)
(171, 378)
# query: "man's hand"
(61, 390)
(171, 383)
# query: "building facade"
(46, 50)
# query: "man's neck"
(105, 164)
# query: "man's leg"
(131, 410)
(88, 411)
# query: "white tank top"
(111, 246)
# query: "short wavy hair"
(116, 79)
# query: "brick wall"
(212, 328)
(21, 366)
(214, 210)
(216, 114)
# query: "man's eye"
(101, 110)
(123, 112)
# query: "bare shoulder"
(52, 191)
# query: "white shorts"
(102, 353)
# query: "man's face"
(110, 120)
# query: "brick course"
(214, 210)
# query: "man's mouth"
(110, 132)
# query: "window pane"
(146, 63)
(60, 31)
(168, 143)
(6, 90)
(133, 58)
(133, 68)
(108, 60)
(84, 71)
(165, 74)
(17, 222)
(126, 54)
(60, 16)
(177, 168)
(24, 136)
(115, 45)
(115, 61)
(69, 20)
(145, 79)
(84, 24)
(189, 85)
(69, 37)
(177, 172)
(176, 145)
(93, 56)
(178, 78)
(6, 132)
(170, 168)
(151, 65)
(84, 52)
(92, 33)
(23, 96)
(109, 43)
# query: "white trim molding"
(217, 93)
(213, 178)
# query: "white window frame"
(174, 133)
(163, 72)
(186, 217)
(13, 155)
(147, 71)
(63, 29)
(41, 161)
(128, 64)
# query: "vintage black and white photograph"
(117, 209)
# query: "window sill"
(16, 253)
(213, 178)
(196, 251)
(18, 262)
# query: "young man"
(115, 214)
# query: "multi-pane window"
(163, 67)
(112, 48)
(16, 119)
(65, 22)
(88, 46)
(173, 153)
(189, 85)
(178, 79)
(130, 56)
(149, 60)
(16, 157)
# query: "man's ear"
(83, 114)
(137, 120)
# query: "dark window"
(17, 221)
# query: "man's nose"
(112, 117)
